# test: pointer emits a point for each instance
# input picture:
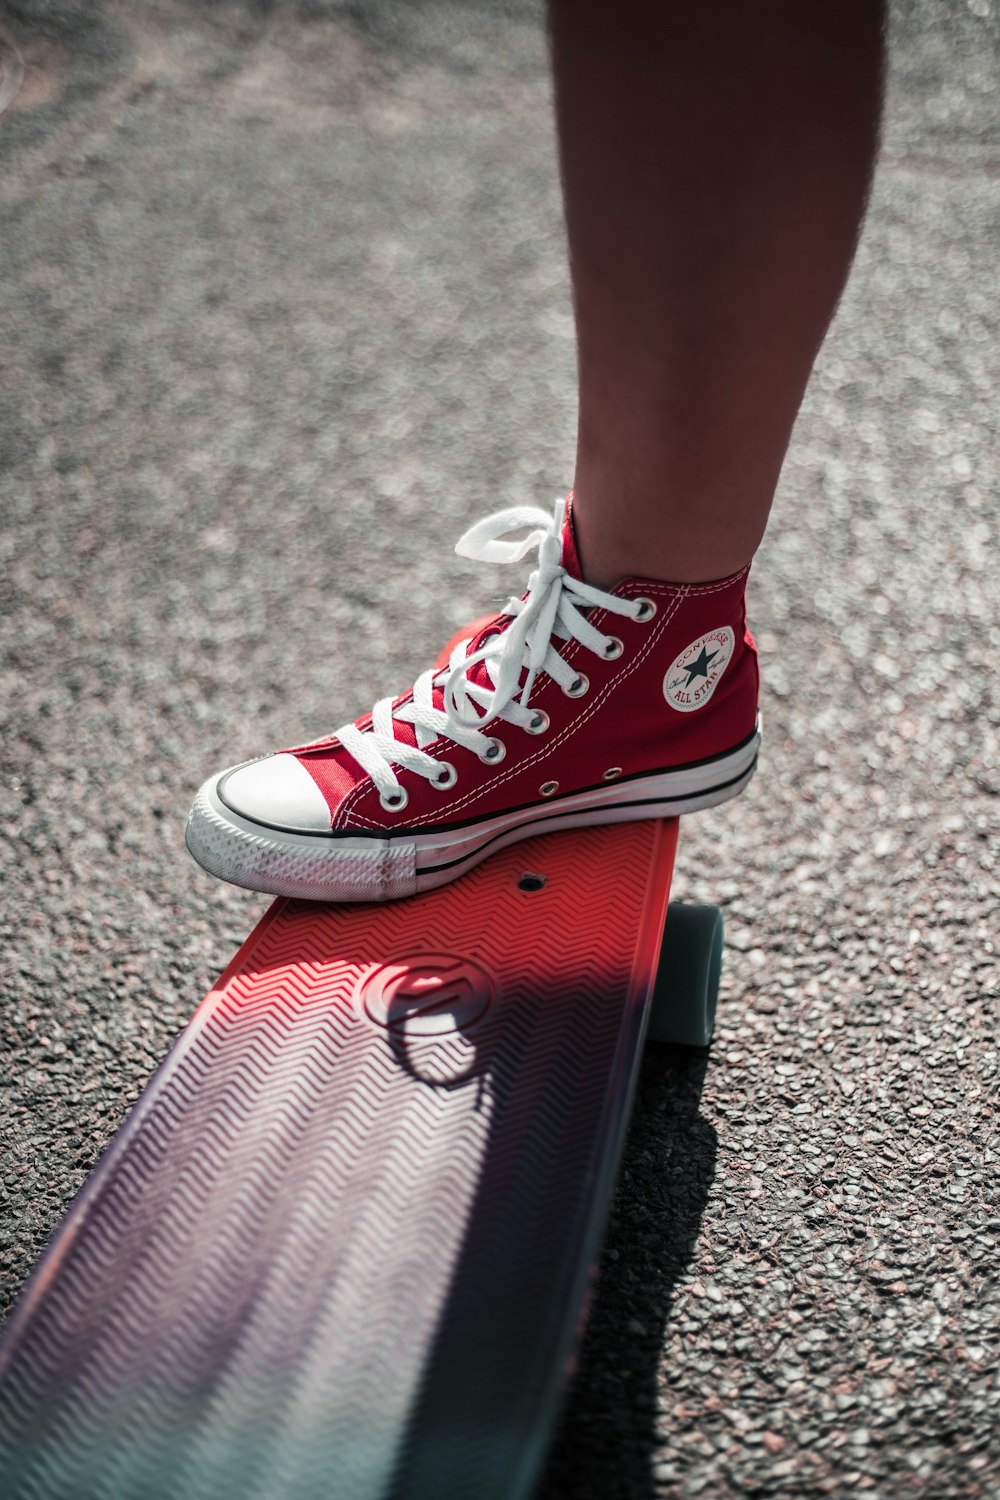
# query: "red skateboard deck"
(341, 1245)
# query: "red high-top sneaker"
(573, 706)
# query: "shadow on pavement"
(604, 1447)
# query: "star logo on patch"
(699, 668)
(695, 673)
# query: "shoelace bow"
(552, 608)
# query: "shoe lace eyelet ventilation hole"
(612, 773)
(549, 788)
(578, 686)
(494, 753)
(394, 801)
(442, 780)
(613, 649)
(646, 610)
(538, 722)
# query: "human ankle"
(666, 552)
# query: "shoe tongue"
(570, 551)
(570, 561)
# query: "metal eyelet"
(646, 610)
(494, 753)
(612, 773)
(445, 777)
(539, 722)
(548, 788)
(578, 686)
(396, 801)
(613, 649)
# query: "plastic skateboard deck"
(341, 1245)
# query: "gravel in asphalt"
(285, 308)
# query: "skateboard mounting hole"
(530, 882)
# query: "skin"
(716, 157)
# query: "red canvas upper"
(683, 689)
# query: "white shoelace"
(552, 609)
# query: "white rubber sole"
(359, 867)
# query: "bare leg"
(715, 160)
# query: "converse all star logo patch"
(694, 674)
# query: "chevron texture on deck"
(330, 1257)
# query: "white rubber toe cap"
(278, 792)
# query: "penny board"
(341, 1245)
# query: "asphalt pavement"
(284, 307)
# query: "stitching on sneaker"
(675, 593)
(571, 728)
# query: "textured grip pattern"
(339, 1247)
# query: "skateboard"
(342, 1245)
